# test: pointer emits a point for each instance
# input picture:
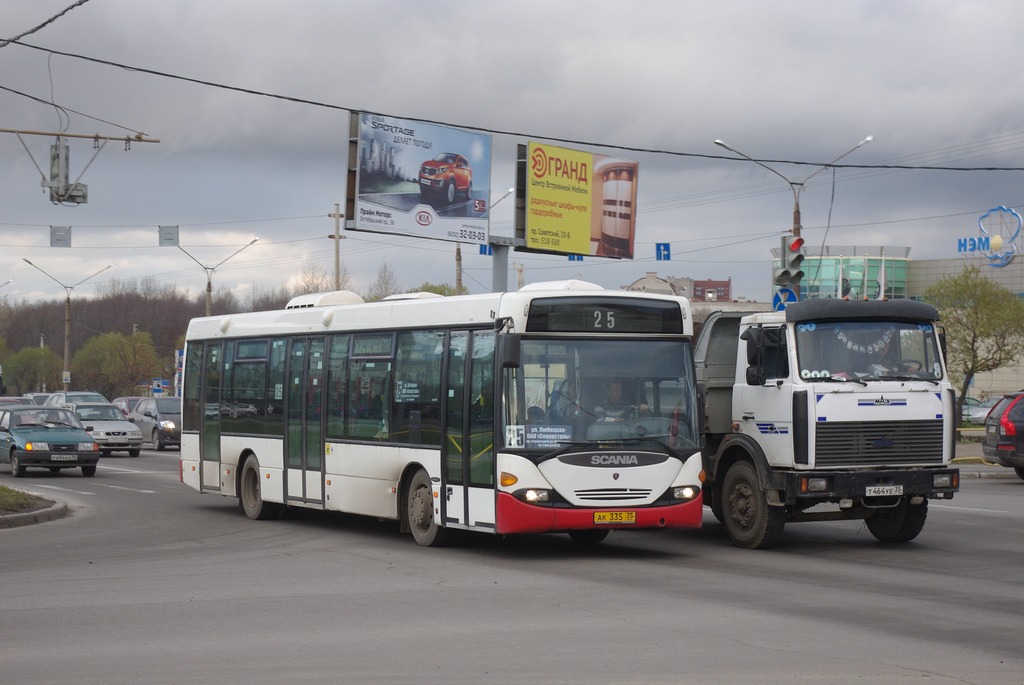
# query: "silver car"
(109, 428)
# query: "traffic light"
(789, 273)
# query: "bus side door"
(303, 435)
(209, 430)
(468, 446)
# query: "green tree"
(115, 364)
(33, 369)
(984, 325)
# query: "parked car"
(126, 404)
(12, 401)
(63, 399)
(977, 413)
(36, 397)
(1004, 433)
(46, 437)
(446, 175)
(111, 429)
(159, 420)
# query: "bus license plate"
(614, 517)
(64, 457)
(883, 490)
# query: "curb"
(51, 513)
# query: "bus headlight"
(685, 492)
(533, 495)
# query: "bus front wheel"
(419, 508)
(250, 496)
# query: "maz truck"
(828, 410)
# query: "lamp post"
(66, 376)
(795, 186)
(210, 269)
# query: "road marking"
(55, 487)
(983, 511)
(121, 487)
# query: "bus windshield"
(586, 390)
(867, 350)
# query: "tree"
(115, 364)
(439, 288)
(32, 369)
(385, 284)
(984, 325)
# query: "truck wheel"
(901, 523)
(1019, 470)
(750, 522)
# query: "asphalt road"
(147, 581)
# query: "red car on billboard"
(445, 176)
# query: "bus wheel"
(751, 523)
(419, 508)
(250, 496)
(901, 523)
(588, 537)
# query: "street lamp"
(9, 280)
(210, 269)
(66, 376)
(795, 186)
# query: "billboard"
(420, 179)
(580, 203)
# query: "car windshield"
(568, 391)
(99, 412)
(169, 405)
(867, 350)
(44, 418)
(85, 397)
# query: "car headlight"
(37, 446)
(167, 425)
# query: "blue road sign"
(487, 250)
(664, 251)
(784, 297)
(575, 258)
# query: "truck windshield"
(599, 389)
(867, 350)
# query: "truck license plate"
(603, 518)
(883, 490)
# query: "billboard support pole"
(499, 268)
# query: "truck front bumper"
(866, 486)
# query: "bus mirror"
(510, 351)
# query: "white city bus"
(439, 412)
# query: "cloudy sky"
(937, 83)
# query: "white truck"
(828, 410)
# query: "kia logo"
(424, 218)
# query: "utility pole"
(337, 236)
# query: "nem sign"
(998, 239)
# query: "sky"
(794, 83)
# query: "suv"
(1004, 433)
(159, 419)
(446, 175)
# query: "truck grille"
(878, 443)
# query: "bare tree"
(385, 284)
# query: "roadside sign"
(784, 297)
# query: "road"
(149, 582)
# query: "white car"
(109, 428)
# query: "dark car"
(159, 419)
(46, 437)
(446, 175)
(1004, 433)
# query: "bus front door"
(209, 428)
(468, 451)
(303, 435)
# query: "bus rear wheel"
(419, 508)
(250, 495)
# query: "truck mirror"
(755, 375)
(753, 338)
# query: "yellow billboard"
(580, 203)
